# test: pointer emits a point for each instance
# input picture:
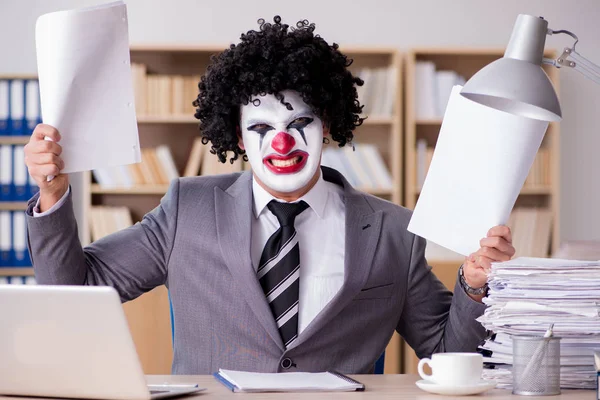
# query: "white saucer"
(474, 388)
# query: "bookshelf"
(12, 204)
(541, 189)
(178, 130)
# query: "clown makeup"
(283, 146)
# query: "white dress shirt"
(321, 236)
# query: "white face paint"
(283, 146)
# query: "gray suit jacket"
(197, 242)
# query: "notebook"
(240, 381)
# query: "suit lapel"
(233, 211)
(363, 228)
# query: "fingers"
(501, 231)
(42, 131)
(40, 172)
(498, 243)
(42, 157)
(43, 146)
(493, 254)
(475, 277)
(484, 263)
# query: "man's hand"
(497, 246)
(43, 159)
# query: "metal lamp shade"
(517, 87)
(517, 83)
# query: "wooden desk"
(396, 387)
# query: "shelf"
(16, 271)
(536, 190)
(13, 205)
(146, 189)
(378, 120)
(14, 139)
(376, 192)
(167, 119)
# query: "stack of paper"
(526, 296)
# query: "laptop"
(71, 342)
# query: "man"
(286, 268)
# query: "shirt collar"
(316, 197)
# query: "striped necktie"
(279, 269)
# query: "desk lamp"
(516, 83)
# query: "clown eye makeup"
(261, 129)
(299, 124)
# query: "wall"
(403, 24)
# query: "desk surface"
(397, 387)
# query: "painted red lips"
(288, 164)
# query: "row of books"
(105, 220)
(202, 162)
(17, 280)
(531, 231)
(20, 108)
(15, 182)
(378, 94)
(539, 174)
(362, 166)
(157, 167)
(13, 240)
(432, 89)
(163, 94)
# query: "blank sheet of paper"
(481, 160)
(85, 85)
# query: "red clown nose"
(283, 143)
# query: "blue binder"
(19, 242)
(6, 250)
(6, 172)
(17, 107)
(4, 107)
(33, 115)
(20, 183)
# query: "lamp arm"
(570, 58)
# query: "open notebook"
(240, 381)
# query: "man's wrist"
(47, 200)
(476, 293)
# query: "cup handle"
(422, 362)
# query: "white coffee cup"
(453, 369)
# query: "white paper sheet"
(85, 85)
(481, 160)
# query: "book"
(255, 382)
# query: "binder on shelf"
(17, 107)
(33, 115)
(5, 239)
(6, 166)
(20, 185)
(20, 253)
(4, 107)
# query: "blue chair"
(379, 364)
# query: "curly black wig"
(268, 61)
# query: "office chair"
(378, 364)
